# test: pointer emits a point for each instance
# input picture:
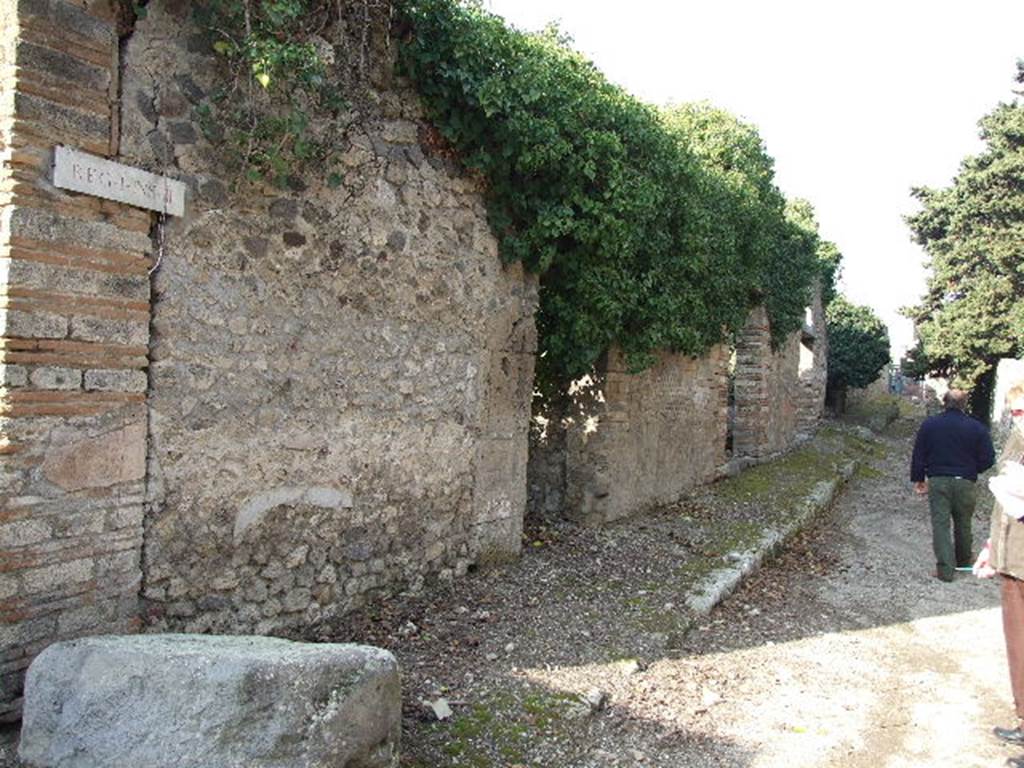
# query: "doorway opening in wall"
(730, 424)
(807, 338)
(806, 355)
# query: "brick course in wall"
(766, 389)
(74, 318)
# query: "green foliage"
(801, 213)
(777, 253)
(651, 231)
(973, 232)
(915, 363)
(279, 80)
(858, 344)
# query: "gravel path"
(841, 650)
(846, 651)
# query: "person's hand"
(921, 488)
(981, 568)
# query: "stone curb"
(720, 583)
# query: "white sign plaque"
(81, 172)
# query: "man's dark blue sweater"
(951, 444)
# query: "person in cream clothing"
(1003, 555)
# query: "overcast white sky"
(857, 102)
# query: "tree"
(858, 346)
(801, 213)
(973, 233)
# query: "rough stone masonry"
(340, 378)
(325, 395)
(626, 442)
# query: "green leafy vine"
(651, 229)
(277, 112)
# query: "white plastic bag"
(1008, 488)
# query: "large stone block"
(117, 457)
(217, 702)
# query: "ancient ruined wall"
(638, 441)
(876, 389)
(767, 391)
(340, 378)
(74, 324)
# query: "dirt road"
(843, 652)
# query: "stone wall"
(340, 380)
(299, 400)
(628, 442)
(74, 323)
(633, 441)
(876, 389)
(768, 391)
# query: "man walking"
(951, 450)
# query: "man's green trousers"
(951, 499)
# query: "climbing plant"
(636, 219)
(776, 242)
(280, 83)
(652, 229)
(800, 213)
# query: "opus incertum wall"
(340, 377)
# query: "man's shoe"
(1010, 736)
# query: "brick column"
(74, 328)
(751, 436)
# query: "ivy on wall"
(651, 230)
(276, 115)
(775, 242)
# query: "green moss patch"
(504, 730)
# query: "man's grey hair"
(955, 398)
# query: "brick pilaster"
(751, 436)
(74, 333)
